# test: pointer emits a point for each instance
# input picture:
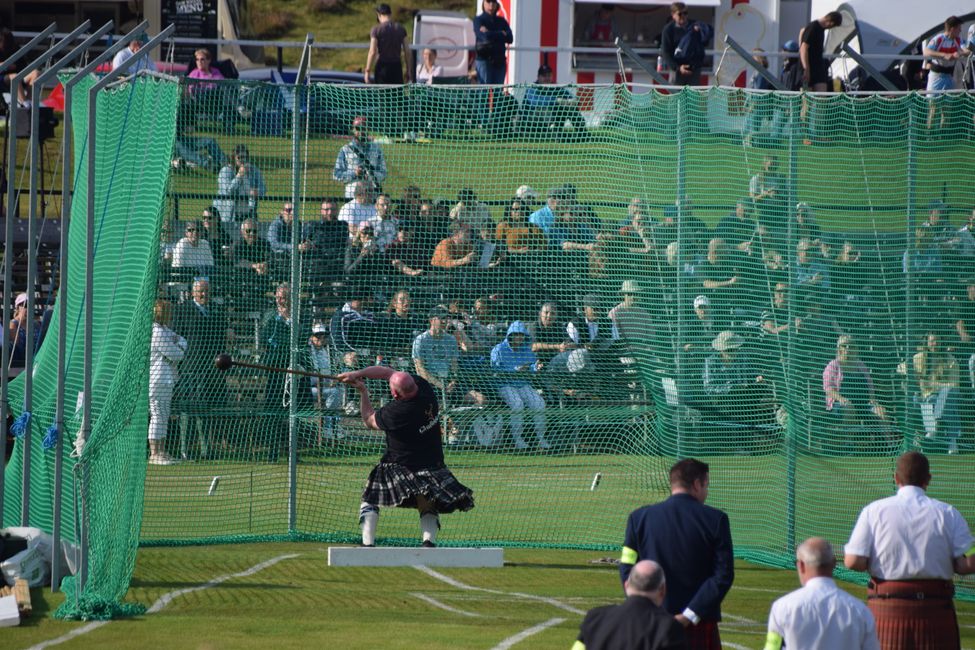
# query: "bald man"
(820, 614)
(640, 622)
(411, 473)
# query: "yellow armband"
(773, 641)
(628, 556)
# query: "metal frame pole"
(870, 69)
(35, 151)
(296, 124)
(630, 52)
(56, 555)
(750, 60)
(90, 266)
(8, 247)
(680, 203)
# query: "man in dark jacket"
(640, 622)
(682, 45)
(692, 542)
(491, 34)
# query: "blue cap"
(791, 46)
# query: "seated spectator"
(966, 243)
(470, 213)
(631, 323)
(323, 395)
(592, 330)
(549, 335)
(938, 394)
(126, 53)
(431, 226)
(203, 72)
(399, 326)
(939, 227)
(719, 277)
(364, 264)
(811, 276)
(544, 217)
(738, 229)
(328, 238)
(766, 190)
(16, 336)
(925, 260)
(196, 151)
(636, 231)
(736, 390)
(239, 186)
(702, 328)
(406, 256)
(965, 329)
(572, 376)
(251, 257)
(361, 160)
(775, 319)
(848, 387)
(571, 232)
(455, 251)
(408, 208)
(428, 68)
(528, 198)
(384, 224)
(806, 226)
(516, 232)
(515, 362)
(193, 253)
(435, 354)
(213, 231)
(360, 209)
(279, 233)
(485, 330)
(547, 107)
(354, 329)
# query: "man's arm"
(423, 372)
(371, 57)
(372, 372)
(342, 171)
(366, 410)
(667, 47)
(965, 564)
(408, 58)
(855, 562)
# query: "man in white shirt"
(820, 614)
(360, 209)
(128, 52)
(912, 545)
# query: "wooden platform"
(400, 556)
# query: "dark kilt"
(703, 636)
(393, 485)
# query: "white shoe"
(953, 448)
(162, 459)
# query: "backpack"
(690, 47)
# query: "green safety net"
(135, 125)
(777, 284)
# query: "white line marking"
(760, 589)
(524, 634)
(739, 619)
(443, 606)
(733, 646)
(460, 585)
(165, 600)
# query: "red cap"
(359, 121)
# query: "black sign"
(193, 19)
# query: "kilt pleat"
(393, 485)
(915, 624)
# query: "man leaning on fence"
(912, 545)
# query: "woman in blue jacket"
(514, 360)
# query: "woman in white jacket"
(165, 351)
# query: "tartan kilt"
(393, 485)
(703, 636)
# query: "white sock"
(429, 525)
(369, 521)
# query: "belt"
(910, 590)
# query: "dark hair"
(677, 6)
(913, 469)
(508, 207)
(240, 151)
(686, 472)
(383, 9)
(952, 21)
(835, 17)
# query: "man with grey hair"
(640, 622)
(819, 614)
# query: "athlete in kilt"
(412, 473)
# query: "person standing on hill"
(912, 545)
(387, 41)
(692, 542)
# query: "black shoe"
(428, 544)
(367, 546)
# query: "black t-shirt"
(412, 427)
(814, 36)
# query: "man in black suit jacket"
(692, 542)
(640, 623)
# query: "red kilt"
(703, 636)
(914, 614)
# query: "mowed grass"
(300, 602)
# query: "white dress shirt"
(910, 536)
(821, 616)
(355, 214)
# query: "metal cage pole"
(35, 150)
(50, 73)
(90, 266)
(296, 122)
(8, 247)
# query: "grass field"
(299, 602)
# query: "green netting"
(135, 128)
(694, 330)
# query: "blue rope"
(19, 427)
(51, 437)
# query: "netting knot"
(51, 437)
(19, 427)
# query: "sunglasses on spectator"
(191, 230)
(202, 58)
(249, 231)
